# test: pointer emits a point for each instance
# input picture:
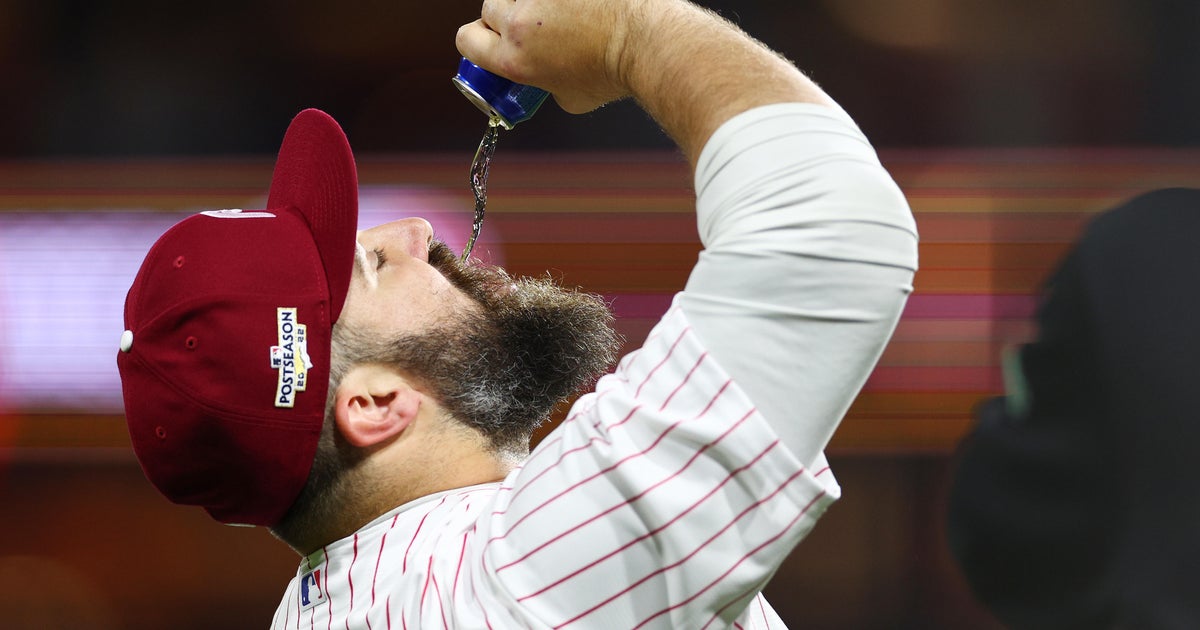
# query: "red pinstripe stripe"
(328, 595)
(733, 601)
(653, 532)
(574, 416)
(561, 457)
(712, 401)
(638, 392)
(438, 591)
(685, 380)
(694, 552)
(350, 579)
(821, 472)
(740, 561)
(627, 417)
(428, 579)
(457, 570)
(586, 480)
(554, 439)
(298, 610)
(763, 609)
(378, 560)
(404, 563)
(643, 493)
(387, 612)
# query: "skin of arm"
(688, 68)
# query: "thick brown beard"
(503, 368)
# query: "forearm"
(691, 70)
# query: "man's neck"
(390, 477)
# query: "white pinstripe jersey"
(666, 499)
(663, 501)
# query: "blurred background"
(1008, 123)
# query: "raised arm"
(810, 247)
(688, 68)
(670, 496)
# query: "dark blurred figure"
(1076, 503)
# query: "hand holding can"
(570, 48)
(504, 101)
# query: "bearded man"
(370, 400)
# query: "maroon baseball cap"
(225, 360)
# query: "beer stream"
(479, 177)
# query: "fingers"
(479, 40)
(495, 13)
(562, 46)
(476, 42)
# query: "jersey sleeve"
(810, 250)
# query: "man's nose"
(412, 236)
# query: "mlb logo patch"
(311, 592)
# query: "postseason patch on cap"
(290, 357)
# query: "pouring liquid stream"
(479, 177)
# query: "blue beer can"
(499, 98)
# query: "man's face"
(395, 290)
(497, 352)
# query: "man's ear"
(373, 404)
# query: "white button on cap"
(126, 340)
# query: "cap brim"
(315, 174)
